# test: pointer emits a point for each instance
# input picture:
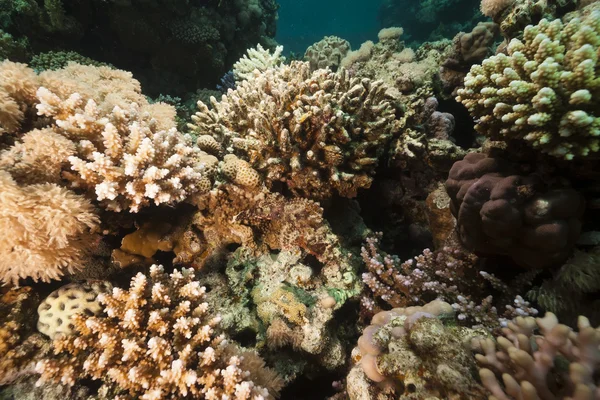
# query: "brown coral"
(157, 342)
(46, 230)
(319, 133)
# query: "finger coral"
(47, 230)
(157, 342)
(319, 133)
(327, 52)
(556, 363)
(544, 91)
(257, 59)
(499, 211)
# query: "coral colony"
(415, 218)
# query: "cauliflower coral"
(545, 91)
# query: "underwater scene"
(299, 199)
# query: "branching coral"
(18, 85)
(319, 133)
(545, 91)
(257, 59)
(557, 363)
(47, 230)
(499, 211)
(156, 342)
(450, 274)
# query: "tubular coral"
(157, 342)
(46, 231)
(320, 133)
(557, 363)
(545, 91)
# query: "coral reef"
(557, 363)
(414, 352)
(500, 211)
(171, 47)
(544, 91)
(20, 348)
(47, 231)
(319, 133)
(327, 52)
(56, 310)
(258, 59)
(156, 342)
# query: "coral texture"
(327, 52)
(319, 133)
(257, 59)
(557, 363)
(499, 211)
(56, 310)
(47, 231)
(156, 342)
(544, 91)
(417, 355)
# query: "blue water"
(301, 23)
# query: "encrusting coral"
(544, 91)
(47, 230)
(157, 342)
(556, 363)
(412, 353)
(319, 133)
(499, 211)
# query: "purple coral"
(499, 212)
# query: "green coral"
(53, 60)
(545, 91)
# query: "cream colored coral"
(38, 157)
(46, 231)
(239, 171)
(55, 312)
(319, 132)
(257, 59)
(18, 84)
(544, 91)
(327, 52)
(157, 341)
(122, 156)
(209, 144)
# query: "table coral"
(499, 211)
(544, 91)
(556, 363)
(157, 342)
(414, 352)
(319, 133)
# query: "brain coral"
(500, 212)
(545, 91)
(320, 133)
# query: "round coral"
(500, 212)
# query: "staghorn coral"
(257, 59)
(450, 274)
(414, 353)
(544, 91)
(319, 133)
(56, 310)
(47, 231)
(557, 363)
(20, 348)
(499, 211)
(157, 342)
(327, 53)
